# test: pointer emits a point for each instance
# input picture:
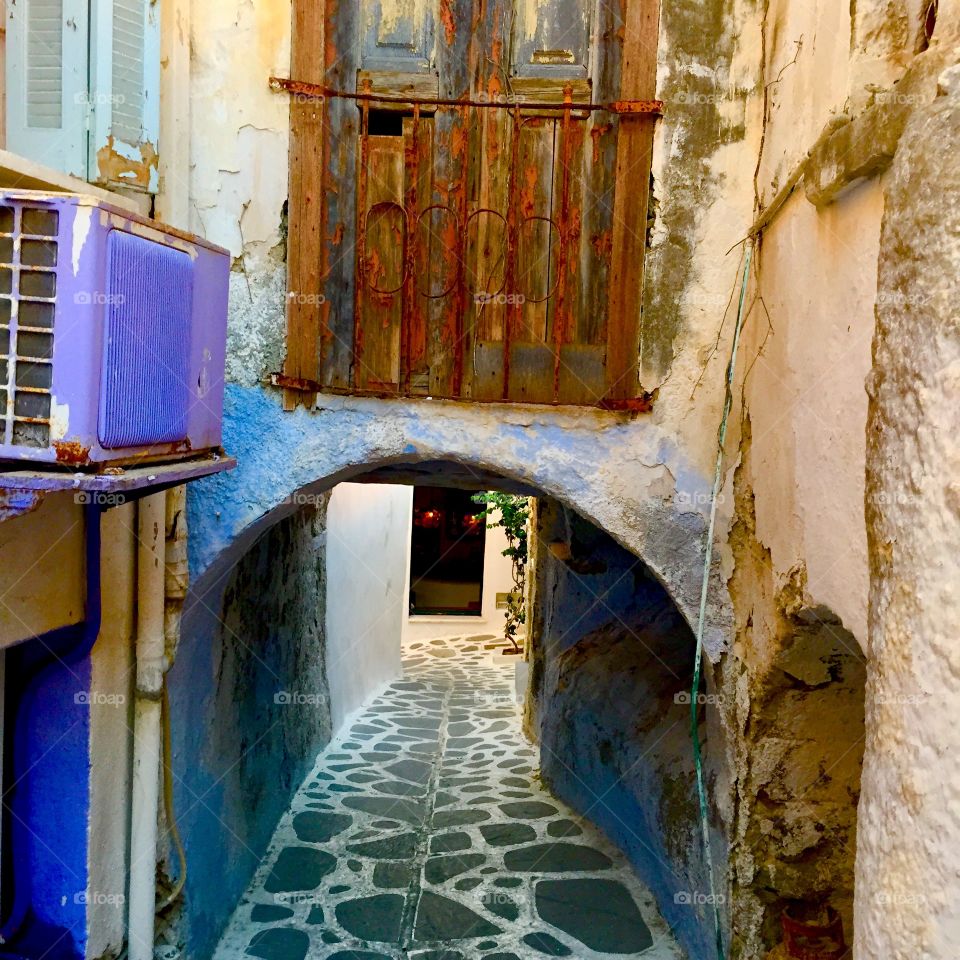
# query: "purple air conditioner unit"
(112, 334)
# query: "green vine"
(512, 513)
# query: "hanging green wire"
(704, 594)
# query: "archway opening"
(262, 667)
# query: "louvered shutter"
(46, 79)
(125, 92)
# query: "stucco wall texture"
(367, 555)
(906, 901)
(609, 703)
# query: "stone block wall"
(610, 678)
(250, 708)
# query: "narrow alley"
(346, 343)
(423, 832)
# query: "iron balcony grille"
(28, 290)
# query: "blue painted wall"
(239, 754)
(50, 755)
(611, 672)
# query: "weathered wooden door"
(469, 211)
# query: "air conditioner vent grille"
(28, 290)
(144, 393)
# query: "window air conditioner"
(112, 334)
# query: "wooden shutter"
(46, 82)
(125, 93)
(397, 35)
(638, 80)
(551, 39)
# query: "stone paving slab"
(423, 833)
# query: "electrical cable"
(704, 594)
(168, 804)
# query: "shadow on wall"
(48, 795)
(251, 709)
(611, 670)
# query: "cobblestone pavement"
(423, 833)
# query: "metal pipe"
(150, 668)
(177, 582)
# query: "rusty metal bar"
(319, 92)
(461, 279)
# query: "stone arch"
(626, 476)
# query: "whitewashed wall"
(368, 537)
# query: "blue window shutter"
(46, 81)
(398, 35)
(551, 38)
(125, 93)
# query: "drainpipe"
(177, 583)
(150, 666)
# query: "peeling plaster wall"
(800, 572)
(238, 183)
(251, 704)
(805, 394)
(793, 693)
(702, 204)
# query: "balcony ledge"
(17, 172)
(21, 490)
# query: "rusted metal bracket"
(316, 91)
(641, 404)
(636, 107)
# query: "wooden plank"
(531, 372)
(448, 334)
(538, 240)
(491, 157)
(550, 90)
(340, 159)
(638, 81)
(418, 181)
(306, 259)
(399, 84)
(582, 373)
(382, 274)
(487, 370)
